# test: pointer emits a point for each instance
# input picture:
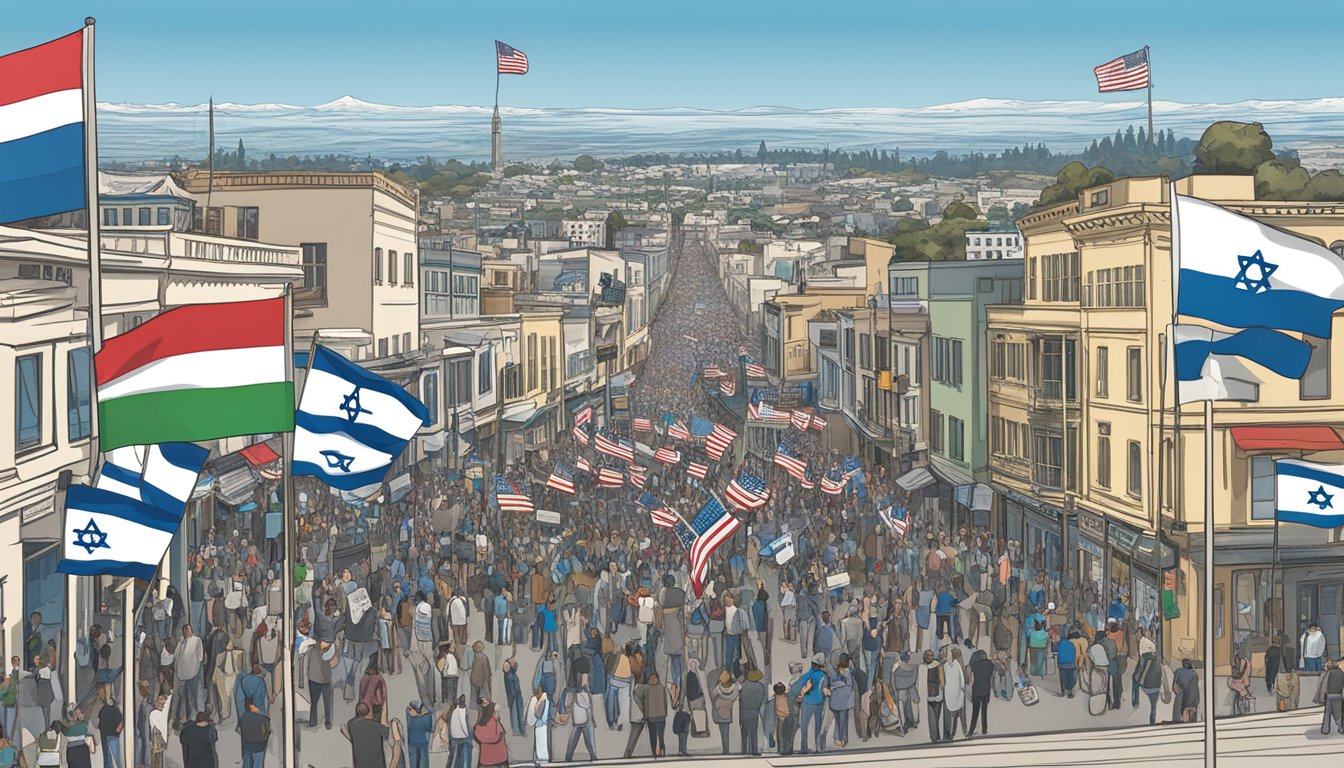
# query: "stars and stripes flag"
(659, 513)
(509, 499)
(786, 457)
(897, 518)
(718, 441)
(807, 483)
(710, 527)
(615, 446)
(642, 425)
(639, 475)
(697, 471)
(581, 434)
(583, 465)
(511, 60)
(610, 478)
(800, 420)
(561, 479)
(677, 430)
(755, 370)
(1127, 73)
(712, 372)
(767, 412)
(667, 456)
(727, 386)
(818, 423)
(831, 484)
(583, 417)
(701, 427)
(747, 491)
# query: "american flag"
(712, 372)
(807, 483)
(677, 431)
(583, 417)
(832, 484)
(610, 478)
(638, 475)
(659, 514)
(667, 456)
(643, 425)
(747, 491)
(800, 420)
(711, 526)
(755, 370)
(786, 458)
(509, 499)
(618, 447)
(727, 386)
(581, 434)
(701, 427)
(511, 60)
(850, 467)
(697, 470)
(818, 423)
(896, 517)
(561, 479)
(767, 412)
(1127, 73)
(583, 465)
(718, 441)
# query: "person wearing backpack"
(1066, 653)
(254, 730)
(1149, 675)
(1038, 644)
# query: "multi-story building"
(585, 232)
(785, 349)
(993, 244)
(1094, 478)
(450, 283)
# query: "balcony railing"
(1049, 395)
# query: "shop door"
(1319, 603)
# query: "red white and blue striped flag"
(786, 458)
(511, 60)
(581, 434)
(510, 499)
(561, 479)
(639, 475)
(610, 478)
(747, 491)
(584, 416)
(1127, 73)
(697, 470)
(710, 527)
(667, 455)
(678, 431)
(755, 370)
(617, 447)
(642, 425)
(718, 441)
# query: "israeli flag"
(351, 424)
(1238, 272)
(162, 476)
(1208, 368)
(110, 534)
(1310, 494)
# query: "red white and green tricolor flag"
(196, 372)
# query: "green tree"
(615, 223)
(999, 214)
(515, 170)
(960, 210)
(242, 156)
(1072, 179)
(1020, 210)
(586, 163)
(1228, 146)
(902, 204)
(1327, 186)
(1278, 180)
(760, 152)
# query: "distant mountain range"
(145, 132)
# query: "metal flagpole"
(287, 633)
(1149, 58)
(1210, 743)
(1274, 587)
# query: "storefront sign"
(1092, 526)
(1123, 538)
(41, 508)
(1091, 548)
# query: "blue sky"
(720, 54)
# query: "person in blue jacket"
(1066, 654)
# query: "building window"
(956, 438)
(1031, 278)
(864, 347)
(165, 216)
(1134, 374)
(1059, 277)
(249, 222)
(532, 380)
(214, 221)
(513, 381)
(408, 268)
(429, 394)
(126, 216)
(1104, 454)
(1135, 488)
(905, 286)
(27, 402)
(377, 266)
(314, 261)
(947, 363)
(1103, 372)
(1099, 198)
(1117, 287)
(935, 431)
(406, 342)
(1262, 487)
(1058, 368)
(382, 347)
(77, 402)
(1315, 383)
(485, 371)
(985, 285)
(1048, 469)
(109, 217)
(391, 267)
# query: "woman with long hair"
(489, 734)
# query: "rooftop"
(198, 182)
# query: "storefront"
(1091, 555)
(1038, 527)
(975, 500)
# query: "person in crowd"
(254, 734)
(199, 740)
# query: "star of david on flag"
(1305, 492)
(108, 534)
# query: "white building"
(984, 246)
(585, 232)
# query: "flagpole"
(287, 633)
(1210, 742)
(1149, 57)
(128, 670)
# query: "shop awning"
(260, 455)
(1311, 437)
(235, 487)
(399, 487)
(915, 479)
(982, 498)
(522, 415)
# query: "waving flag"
(509, 499)
(818, 423)
(788, 459)
(747, 491)
(583, 465)
(667, 455)
(510, 60)
(755, 371)
(727, 386)
(639, 475)
(701, 427)
(1127, 73)
(108, 534)
(711, 526)
(850, 467)
(1305, 493)
(832, 485)
(580, 435)
(561, 479)
(610, 478)
(583, 417)
(807, 482)
(800, 420)
(768, 412)
(162, 476)
(42, 151)
(615, 446)
(697, 470)
(659, 513)
(352, 424)
(897, 518)
(712, 372)
(642, 425)
(718, 441)
(1208, 365)
(677, 430)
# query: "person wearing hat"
(811, 692)
(750, 701)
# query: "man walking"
(581, 719)
(187, 675)
(254, 729)
(1330, 694)
(750, 702)
(811, 692)
(982, 675)
(319, 682)
(366, 737)
(110, 723)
